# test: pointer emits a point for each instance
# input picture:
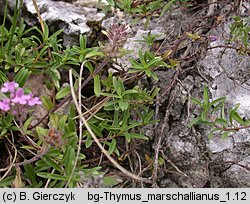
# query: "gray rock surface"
(216, 162)
(229, 72)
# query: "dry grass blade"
(114, 162)
(38, 14)
(12, 163)
(80, 123)
(89, 113)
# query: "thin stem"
(232, 128)
(43, 151)
(25, 136)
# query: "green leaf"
(141, 57)
(53, 153)
(161, 161)
(218, 100)
(61, 122)
(106, 8)
(115, 84)
(116, 119)
(196, 101)
(221, 121)
(131, 91)
(130, 136)
(111, 105)
(222, 114)
(93, 54)
(71, 125)
(194, 122)
(73, 141)
(27, 147)
(125, 118)
(22, 76)
(148, 116)
(155, 92)
(53, 119)
(127, 136)
(7, 182)
(68, 160)
(224, 135)
(52, 176)
(63, 92)
(52, 163)
(41, 166)
(3, 132)
(218, 106)
(30, 173)
(47, 103)
(110, 181)
(232, 111)
(203, 115)
(96, 129)
(123, 105)
(238, 118)
(112, 146)
(111, 3)
(7, 121)
(148, 72)
(70, 135)
(45, 33)
(88, 142)
(55, 34)
(153, 74)
(27, 123)
(55, 76)
(205, 99)
(154, 62)
(121, 88)
(72, 111)
(97, 85)
(83, 42)
(41, 131)
(3, 77)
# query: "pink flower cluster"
(117, 34)
(16, 97)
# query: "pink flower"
(118, 33)
(9, 87)
(20, 97)
(213, 38)
(33, 101)
(5, 104)
(17, 97)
